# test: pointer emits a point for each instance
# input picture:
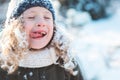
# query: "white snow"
(98, 48)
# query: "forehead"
(37, 10)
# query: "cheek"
(51, 29)
(28, 27)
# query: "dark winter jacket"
(52, 72)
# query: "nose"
(40, 23)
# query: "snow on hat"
(17, 7)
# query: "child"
(33, 47)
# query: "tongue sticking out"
(37, 34)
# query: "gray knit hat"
(17, 7)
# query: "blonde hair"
(62, 44)
(13, 45)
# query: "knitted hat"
(17, 7)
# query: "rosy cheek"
(26, 29)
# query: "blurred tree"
(96, 8)
(3, 9)
(66, 4)
(2, 1)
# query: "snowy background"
(96, 39)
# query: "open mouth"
(38, 34)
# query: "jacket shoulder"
(3, 74)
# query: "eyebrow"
(32, 11)
(48, 12)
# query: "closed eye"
(31, 17)
(46, 17)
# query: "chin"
(37, 47)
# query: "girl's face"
(38, 24)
